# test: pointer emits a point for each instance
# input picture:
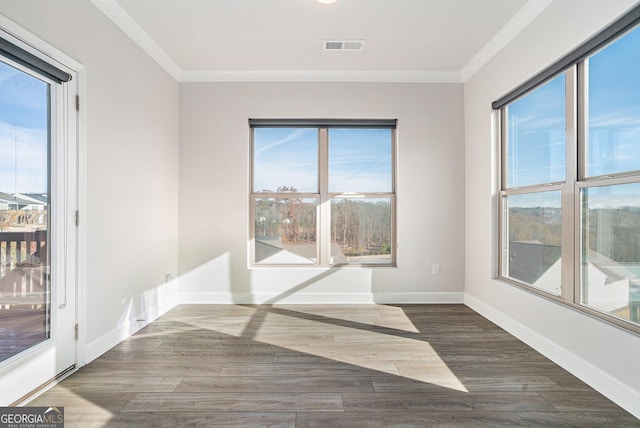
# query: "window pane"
(534, 237)
(285, 159)
(24, 187)
(360, 160)
(614, 103)
(536, 136)
(361, 231)
(611, 250)
(285, 231)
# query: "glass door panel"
(25, 292)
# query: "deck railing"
(23, 269)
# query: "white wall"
(131, 166)
(214, 174)
(603, 355)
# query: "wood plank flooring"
(327, 366)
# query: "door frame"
(24, 383)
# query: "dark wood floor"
(327, 366)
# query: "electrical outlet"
(435, 269)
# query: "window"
(322, 192)
(535, 145)
(570, 178)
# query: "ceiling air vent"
(343, 45)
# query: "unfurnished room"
(319, 213)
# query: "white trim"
(32, 395)
(20, 379)
(617, 391)
(113, 337)
(369, 76)
(318, 298)
(129, 327)
(519, 22)
(130, 27)
(81, 230)
(420, 298)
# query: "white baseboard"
(107, 341)
(420, 298)
(617, 391)
(319, 298)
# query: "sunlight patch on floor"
(377, 339)
(231, 320)
(383, 352)
(78, 410)
(379, 316)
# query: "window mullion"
(503, 258)
(323, 228)
(582, 103)
(504, 123)
(581, 156)
(570, 243)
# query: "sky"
(536, 126)
(23, 132)
(536, 136)
(360, 160)
(614, 107)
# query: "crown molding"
(519, 22)
(321, 76)
(130, 27)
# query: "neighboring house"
(612, 287)
(529, 260)
(5, 201)
(28, 202)
(31, 201)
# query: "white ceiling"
(405, 40)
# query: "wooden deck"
(21, 329)
(327, 366)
